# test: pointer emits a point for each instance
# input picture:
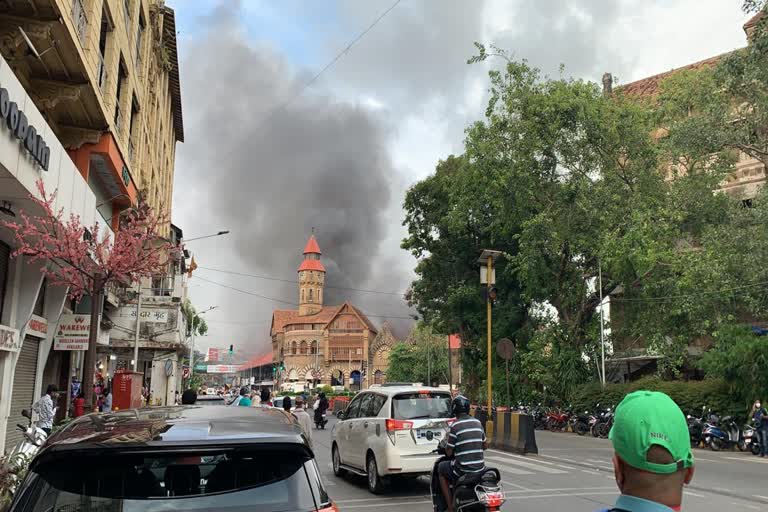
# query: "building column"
(55, 299)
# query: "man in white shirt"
(46, 408)
(303, 418)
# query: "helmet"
(460, 405)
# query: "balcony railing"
(81, 21)
(102, 72)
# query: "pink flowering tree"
(87, 260)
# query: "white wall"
(73, 196)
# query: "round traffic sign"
(505, 349)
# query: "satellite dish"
(32, 46)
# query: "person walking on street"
(107, 405)
(245, 400)
(287, 404)
(652, 458)
(265, 398)
(302, 417)
(760, 416)
(45, 408)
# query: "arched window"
(378, 377)
(310, 295)
(293, 347)
(293, 375)
(313, 347)
(303, 347)
(319, 295)
(302, 295)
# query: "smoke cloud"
(271, 164)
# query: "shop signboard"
(201, 368)
(154, 315)
(222, 368)
(9, 339)
(37, 327)
(72, 332)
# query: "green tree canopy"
(423, 357)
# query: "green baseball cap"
(647, 418)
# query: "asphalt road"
(570, 473)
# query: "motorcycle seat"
(489, 475)
(726, 419)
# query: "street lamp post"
(192, 343)
(488, 277)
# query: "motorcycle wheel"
(594, 431)
(603, 430)
(716, 444)
(581, 428)
(742, 445)
(754, 448)
(552, 425)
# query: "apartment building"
(105, 76)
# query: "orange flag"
(192, 267)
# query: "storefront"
(29, 309)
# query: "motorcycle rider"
(46, 408)
(466, 442)
(760, 416)
(652, 453)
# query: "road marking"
(388, 504)
(529, 465)
(535, 491)
(691, 493)
(559, 495)
(382, 499)
(510, 469)
(761, 497)
(755, 460)
(515, 485)
(521, 457)
(603, 468)
(597, 461)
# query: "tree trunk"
(93, 333)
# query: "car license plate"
(429, 435)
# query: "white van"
(390, 431)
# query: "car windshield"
(232, 480)
(413, 406)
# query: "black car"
(176, 458)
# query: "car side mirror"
(26, 414)
(340, 415)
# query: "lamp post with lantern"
(488, 278)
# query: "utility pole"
(602, 328)
(486, 260)
(489, 308)
(138, 325)
(429, 364)
(93, 336)
(450, 370)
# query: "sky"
(272, 151)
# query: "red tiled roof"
(753, 20)
(255, 362)
(312, 247)
(454, 341)
(283, 317)
(649, 87)
(311, 265)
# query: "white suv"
(392, 430)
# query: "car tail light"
(492, 499)
(450, 421)
(329, 508)
(393, 425)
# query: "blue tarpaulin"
(759, 331)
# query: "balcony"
(81, 21)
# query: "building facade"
(318, 344)
(98, 83)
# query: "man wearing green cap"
(653, 458)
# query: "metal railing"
(102, 72)
(81, 21)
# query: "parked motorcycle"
(581, 423)
(34, 439)
(725, 436)
(471, 493)
(604, 423)
(748, 439)
(557, 420)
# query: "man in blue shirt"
(653, 458)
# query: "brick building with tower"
(318, 344)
